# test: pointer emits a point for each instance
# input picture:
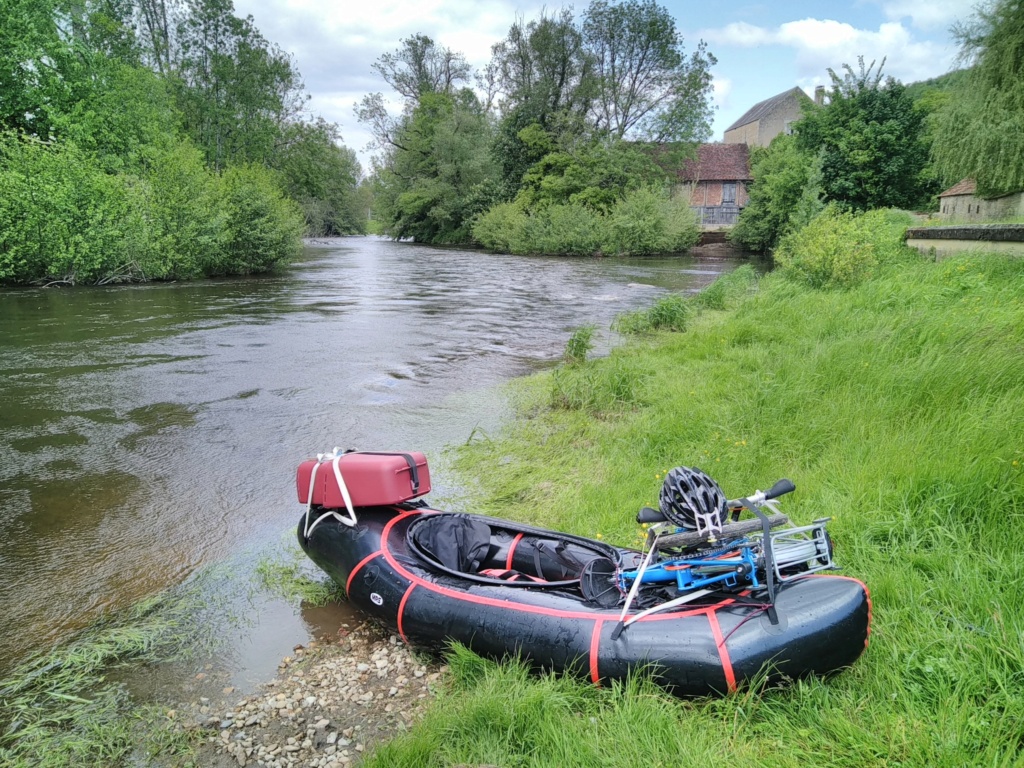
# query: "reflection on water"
(146, 431)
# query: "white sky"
(763, 47)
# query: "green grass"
(59, 708)
(290, 575)
(897, 407)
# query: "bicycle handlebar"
(781, 488)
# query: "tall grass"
(897, 407)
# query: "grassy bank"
(895, 401)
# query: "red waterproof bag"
(372, 479)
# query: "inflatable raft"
(502, 588)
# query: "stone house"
(716, 181)
(961, 203)
(767, 119)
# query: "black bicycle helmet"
(692, 500)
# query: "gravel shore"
(329, 704)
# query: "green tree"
(872, 141)
(234, 88)
(438, 173)
(321, 175)
(645, 85)
(780, 173)
(596, 173)
(979, 133)
(420, 66)
(543, 75)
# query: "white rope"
(636, 582)
(350, 521)
(670, 604)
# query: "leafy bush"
(184, 204)
(61, 217)
(498, 227)
(839, 249)
(649, 221)
(828, 252)
(644, 221)
(264, 228)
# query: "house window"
(728, 194)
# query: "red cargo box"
(372, 479)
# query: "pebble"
(322, 704)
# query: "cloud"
(823, 43)
(926, 14)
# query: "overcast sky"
(763, 48)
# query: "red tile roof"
(718, 162)
(964, 187)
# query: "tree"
(871, 139)
(645, 86)
(979, 133)
(780, 174)
(235, 89)
(543, 75)
(438, 173)
(321, 176)
(419, 66)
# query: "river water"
(149, 431)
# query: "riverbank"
(330, 703)
(896, 404)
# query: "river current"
(150, 431)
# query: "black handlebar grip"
(780, 489)
(648, 515)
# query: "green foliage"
(726, 291)
(668, 313)
(839, 249)
(61, 217)
(81, 115)
(978, 134)
(61, 708)
(872, 143)
(323, 178)
(595, 173)
(896, 407)
(645, 86)
(649, 220)
(781, 173)
(187, 220)
(291, 580)
(263, 226)
(439, 174)
(598, 386)
(645, 221)
(581, 341)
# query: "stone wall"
(943, 242)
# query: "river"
(149, 431)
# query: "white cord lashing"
(335, 459)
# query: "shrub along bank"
(64, 218)
(893, 396)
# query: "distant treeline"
(569, 142)
(157, 139)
